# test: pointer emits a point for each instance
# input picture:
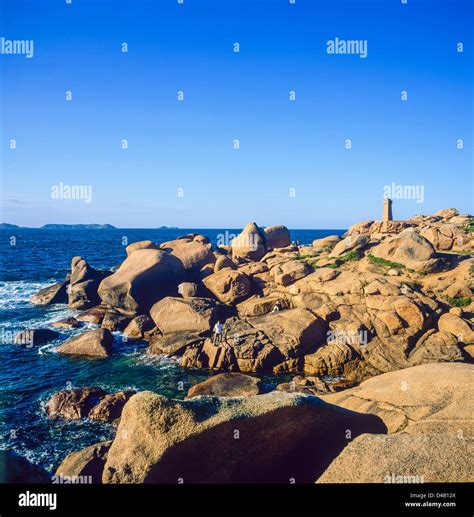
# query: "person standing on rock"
(217, 333)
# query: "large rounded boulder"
(146, 276)
(56, 293)
(192, 254)
(83, 284)
(184, 314)
(409, 249)
(141, 245)
(250, 244)
(277, 237)
(215, 439)
(228, 285)
(93, 343)
(227, 385)
(86, 462)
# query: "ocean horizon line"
(60, 226)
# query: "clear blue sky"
(229, 95)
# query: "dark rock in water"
(87, 462)
(16, 469)
(66, 323)
(110, 407)
(265, 438)
(140, 327)
(115, 321)
(94, 343)
(83, 284)
(75, 403)
(93, 315)
(34, 337)
(227, 385)
(56, 293)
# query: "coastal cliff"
(389, 298)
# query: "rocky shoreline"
(369, 326)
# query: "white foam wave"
(15, 294)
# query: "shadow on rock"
(272, 438)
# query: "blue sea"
(33, 259)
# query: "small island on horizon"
(9, 226)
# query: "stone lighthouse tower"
(387, 210)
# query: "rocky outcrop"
(295, 332)
(188, 289)
(211, 439)
(94, 315)
(56, 293)
(409, 249)
(93, 343)
(87, 402)
(175, 343)
(275, 342)
(436, 347)
(87, 463)
(288, 272)
(222, 262)
(66, 323)
(75, 403)
(110, 406)
(403, 458)
(128, 289)
(443, 230)
(114, 321)
(193, 255)
(447, 213)
(431, 398)
(83, 284)
(228, 286)
(277, 237)
(261, 305)
(458, 327)
(140, 327)
(326, 242)
(227, 385)
(141, 245)
(194, 315)
(354, 242)
(243, 348)
(250, 244)
(312, 385)
(331, 359)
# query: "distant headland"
(7, 226)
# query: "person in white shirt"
(217, 333)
